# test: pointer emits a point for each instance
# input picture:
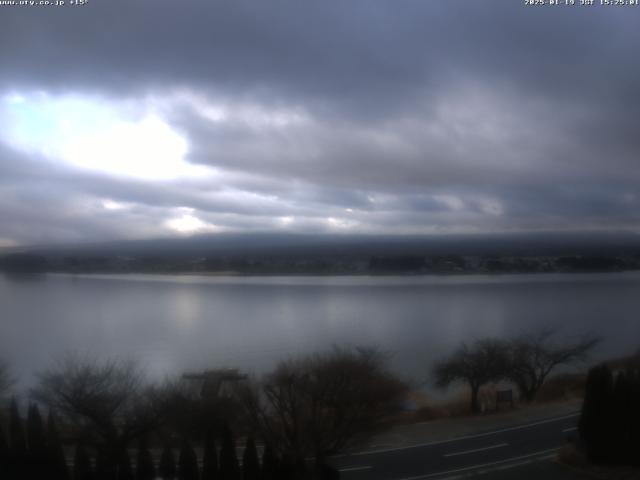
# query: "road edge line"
(466, 437)
(531, 456)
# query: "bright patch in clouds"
(188, 223)
(92, 134)
(239, 113)
(112, 205)
(286, 220)
(340, 224)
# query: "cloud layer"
(133, 120)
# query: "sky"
(157, 118)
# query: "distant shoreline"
(215, 274)
(235, 273)
(316, 264)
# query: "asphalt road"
(494, 451)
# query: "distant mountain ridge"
(551, 243)
(275, 253)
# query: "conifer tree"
(229, 468)
(145, 469)
(269, 464)
(250, 462)
(105, 467)
(4, 455)
(187, 462)
(125, 472)
(621, 414)
(167, 467)
(287, 468)
(37, 445)
(610, 420)
(210, 458)
(595, 419)
(18, 444)
(56, 460)
(634, 420)
(82, 469)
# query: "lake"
(174, 323)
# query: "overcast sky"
(133, 119)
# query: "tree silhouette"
(534, 356)
(56, 459)
(610, 420)
(229, 469)
(103, 470)
(111, 399)
(287, 468)
(4, 456)
(623, 404)
(125, 471)
(167, 467)
(187, 462)
(145, 469)
(250, 462)
(484, 361)
(322, 404)
(82, 469)
(210, 458)
(6, 382)
(36, 440)
(634, 418)
(269, 463)
(595, 419)
(106, 464)
(18, 449)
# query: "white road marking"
(541, 454)
(467, 437)
(570, 429)
(355, 469)
(484, 471)
(455, 454)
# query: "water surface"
(175, 323)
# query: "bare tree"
(482, 362)
(190, 414)
(322, 404)
(109, 399)
(534, 356)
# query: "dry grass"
(561, 387)
(457, 405)
(564, 386)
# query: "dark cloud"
(360, 116)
